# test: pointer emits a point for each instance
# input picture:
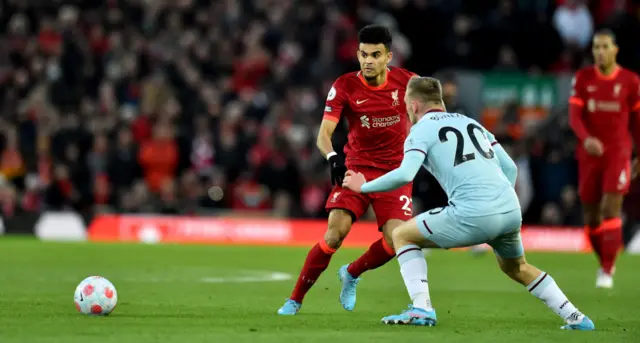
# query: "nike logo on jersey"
(358, 102)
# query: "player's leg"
(391, 209)
(590, 190)
(510, 256)
(609, 235)
(379, 253)
(344, 207)
(428, 230)
(611, 230)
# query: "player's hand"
(593, 146)
(338, 169)
(353, 181)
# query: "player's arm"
(508, 167)
(415, 151)
(576, 110)
(398, 177)
(327, 127)
(634, 105)
(591, 144)
(332, 112)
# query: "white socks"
(546, 289)
(413, 268)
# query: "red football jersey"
(607, 102)
(377, 117)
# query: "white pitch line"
(257, 277)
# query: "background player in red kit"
(371, 101)
(603, 106)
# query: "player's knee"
(610, 210)
(593, 219)
(593, 222)
(335, 235)
(389, 228)
(399, 237)
(388, 238)
(338, 229)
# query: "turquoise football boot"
(412, 316)
(348, 292)
(290, 308)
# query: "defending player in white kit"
(478, 177)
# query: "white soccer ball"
(95, 295)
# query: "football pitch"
(191, 294)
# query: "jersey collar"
(433, 110)
(375, 88)
(430, 111)
(611, 76)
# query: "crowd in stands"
(202, 106)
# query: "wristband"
(331, 154)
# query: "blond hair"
(426, 89)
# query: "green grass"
(162, 297)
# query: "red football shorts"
(395, 204)
(608, 174)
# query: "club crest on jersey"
(394, 96)
(616, 89)
(335, 196)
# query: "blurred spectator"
(123, 161)
(12, 164)
(450, 95)
(159, 157)
(8, 201)
(571, 207)
(551, 215)
(524, 183)
(61, 194)
(574, 23)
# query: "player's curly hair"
(375, 34)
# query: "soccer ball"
(95, 295)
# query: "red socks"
(319, 257)
(606, 241)
(378, 254)
(316, 262)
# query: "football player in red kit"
(603, 113)
(371, 102)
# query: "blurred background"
(211, 107)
